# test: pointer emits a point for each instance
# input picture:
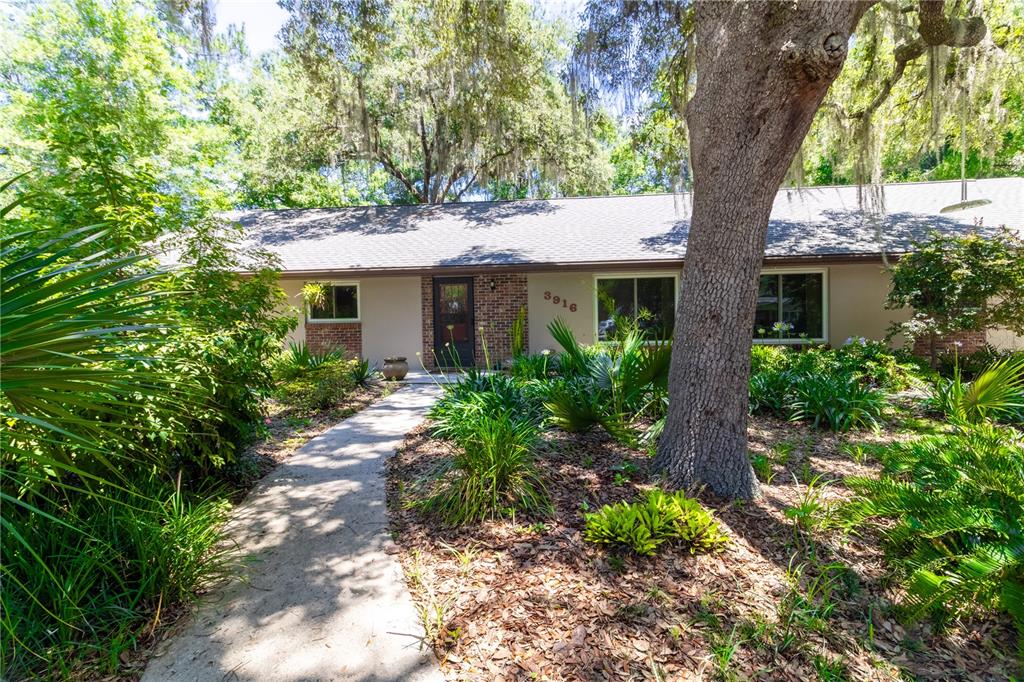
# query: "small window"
(340, 303)
(790, 307)
(651, 299)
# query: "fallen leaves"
(535, 602)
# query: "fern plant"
(951, 510)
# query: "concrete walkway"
(325, 600)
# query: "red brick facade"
(964, 342)
(328, 336)
(495, 310)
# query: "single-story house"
(409, 279)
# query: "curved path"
(325, 600)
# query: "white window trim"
(359, 304)
(824, 305)
(632, 275)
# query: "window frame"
(632, 275)
(824, 305)
(359, 303)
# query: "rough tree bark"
(763, 70)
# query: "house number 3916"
(558, 300)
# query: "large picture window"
(651, 299)
(790, 307)
(340, 304)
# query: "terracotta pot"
(395, 369)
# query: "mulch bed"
(530, 600)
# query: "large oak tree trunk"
(763, 70)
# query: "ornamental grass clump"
(658, 518)
(493, 473)
(950, 508)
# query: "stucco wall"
(857, 294)
(389, 312)
(574, 287)
(1004, 338)
(391, 318)
(292, 289)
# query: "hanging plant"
(314, 294)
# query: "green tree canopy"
(446, 96)
(103, 115)
(961, 283)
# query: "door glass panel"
(454, 313)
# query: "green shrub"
(486, 393)
(362, 372)
(837, 401)
(876, 363)
(493, 474)
(319, 388)
(769, 390)
(109, 562)
(950, 508)
(768, 358)
(576, 405)
(970, 365)
(536, 367)
(650, 522)
(996, 394)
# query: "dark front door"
(453, 321)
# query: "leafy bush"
(659, 517)
(629, 373)
(997, 393)
(319, 388)
(769, 390)
(493, 473)
(951, 510)
(833, 388)
(878, 364)
(768, 358)
(838, 401)
(490, 394)
(536, 367)
(970, 365)
(111, 560)
(575, 405)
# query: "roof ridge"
(464, 204)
